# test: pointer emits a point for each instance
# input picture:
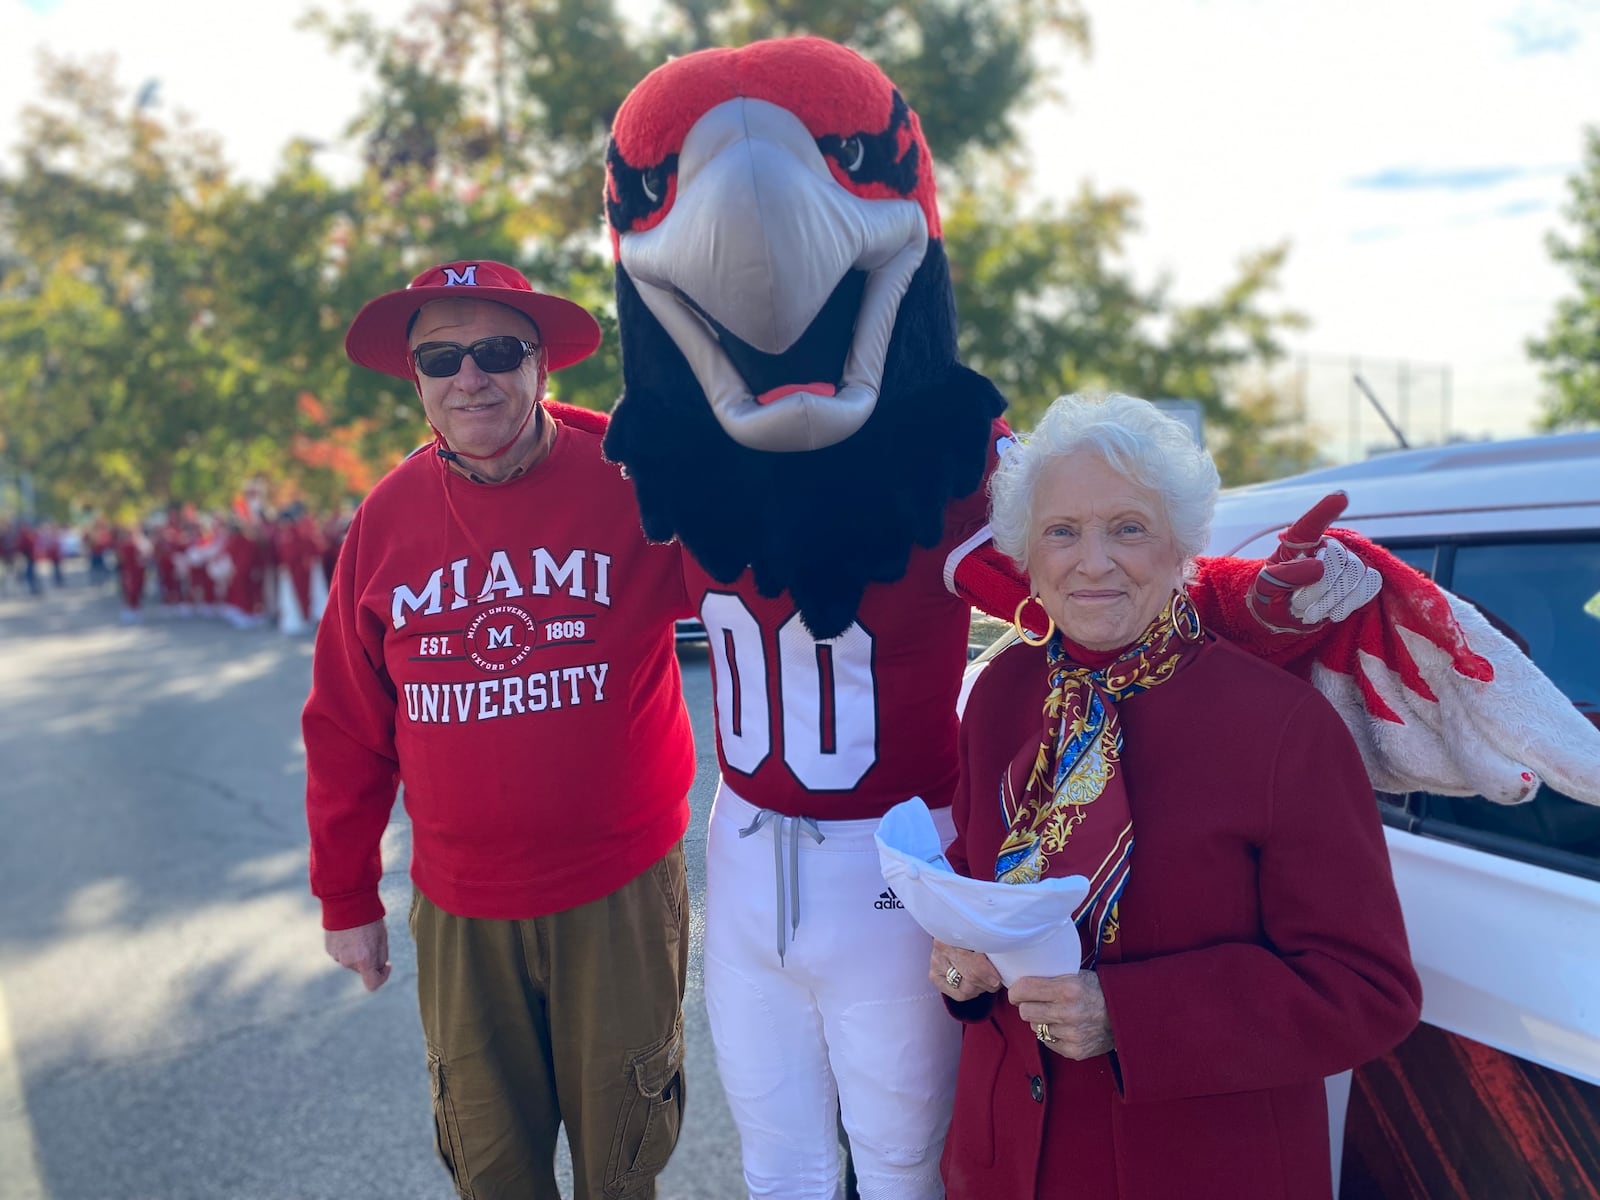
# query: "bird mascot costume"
(795, 415)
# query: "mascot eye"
(654, 184)
(852, 152)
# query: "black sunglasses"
(494, 355)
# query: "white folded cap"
(1025, 929)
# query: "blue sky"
(1412, 152)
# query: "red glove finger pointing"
(1302, 538)
(1275, 583)
(1289, 575)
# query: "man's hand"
(1311, 578)
(973, 974)
(364, 950)
(1072, 1009)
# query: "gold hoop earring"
(1024, 632)
(1184, 619)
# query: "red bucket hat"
(377, 337)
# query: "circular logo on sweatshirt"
(500, 637)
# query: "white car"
(1497, 1094)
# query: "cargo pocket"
(446, 1129)
(650, 1117)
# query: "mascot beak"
(780, 286)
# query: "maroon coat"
(1261, 948)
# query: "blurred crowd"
(247, 567)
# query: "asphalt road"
(170, 1028)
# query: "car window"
(1420, 557)
(1546, 593)
(984, 633)
(1544, 596)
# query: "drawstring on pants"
(794, 827)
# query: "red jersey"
(245, 591)
(507, 652)
(844, 729)
(130, 565)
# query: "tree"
(1047, 301)
(162, 318)
(175, 331)
(510, 103)
(1048, 307)
(97, 294)
(1570, 349)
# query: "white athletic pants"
(817, 987)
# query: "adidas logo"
(887, 899)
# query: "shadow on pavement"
(177, 1030)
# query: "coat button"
(1036, 1087)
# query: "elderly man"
(499, 640)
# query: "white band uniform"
(850, 989)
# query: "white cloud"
(1238, 123)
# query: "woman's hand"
(1072, 1009)
(973, 974)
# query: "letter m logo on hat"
(468, 275)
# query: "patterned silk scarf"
(1065, 799)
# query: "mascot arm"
(1309, 582)
(585, 419)
(985, 578)
(1436, 698)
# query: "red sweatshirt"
(505, 651)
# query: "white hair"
(1136, 439)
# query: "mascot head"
(792, 399)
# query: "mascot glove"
(1347, 583)
(1311, 578)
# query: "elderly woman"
(1241, 936)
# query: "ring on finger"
(952, 976)
(1041, 1030)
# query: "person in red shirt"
(207, 567)
(27, 550)
(311, 547)
(171, 546)
(499, 640)
(245, 598)
(333, 531)
(99, 541)
(131, 550)
(1240, 937)
(293, 554)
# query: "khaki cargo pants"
(575, 1018)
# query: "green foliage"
(173, 331)
(1570, 349)
(1049, 306)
